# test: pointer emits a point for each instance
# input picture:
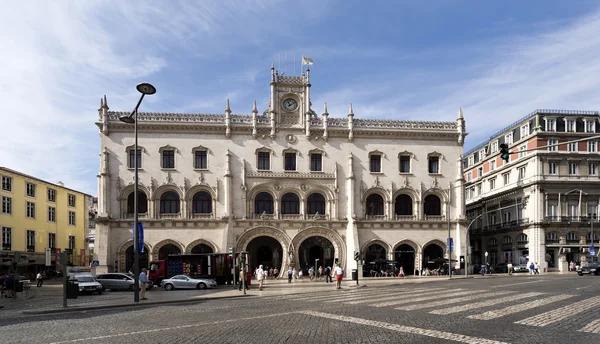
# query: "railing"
(170, 215)
(202, 215)
(504, 225)
(567, 218)
(30, 248)
(435, 217)
(552, 241)
(375, 217)
(523, 242)
(6, 248)
(140, 215)
(404, 217)
(263, 216)
(292, 216)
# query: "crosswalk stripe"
(484, 303)
(363, 296)
(431, 296)
(323, 295)
(339, 294)
(593, 327)
(452, 301)
(519, 308)
(559, 314)
(388, 297)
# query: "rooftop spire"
(325, 109)
(350, 111)
(254, 109)
(460, 113)
(228, 108)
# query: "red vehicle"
(216, 266)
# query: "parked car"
(185, 282)
(118, 281)
(520, 268)
(590, 269)
(88, 284)
(25, 280)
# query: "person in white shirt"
(339, 273)
(260, 276)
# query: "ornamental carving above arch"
(197, 242)
(268, 231)
(163, 243)
(339, 244)
(376, 241)
(410, 243)
(123, 251)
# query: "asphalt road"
(536, 309)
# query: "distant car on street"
(87, 284)
(185, 282)
(590, 269)
(118, 281)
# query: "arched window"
(169, 203)
(572, 238)
(374, 205)
(142, 203)
(263, 203)
(202, 203)
(432, 205)
(492, 242)
(522, 239)
(315, 204)
(290, 204)
(552, 238)
(507, 240)
(404, 205)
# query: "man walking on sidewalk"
(260, 275)
(339, 273)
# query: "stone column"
(352, 243)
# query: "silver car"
(185, 282)
(118, 281)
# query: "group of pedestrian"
(7, 285)
(534, 268)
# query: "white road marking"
(587, 286)
(593, 327)
(171, 328)
(510, 285)
(431, 296)
(405, 329)
(489, 302)
(452, 301)
(380, 296)
(336, 294)
(519, 308)
(559, 314)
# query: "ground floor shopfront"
(279, 245)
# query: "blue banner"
(140, 237)
(451, 244)
(592, 251)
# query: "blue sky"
(498, 60)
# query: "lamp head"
(146, 88)
(127, 119)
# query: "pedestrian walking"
(242, 279)
(510, 268)
(328, 275)
(339, 273)
(260, 276)
(401, 273)
(40, 279)
(143, 284)
(290, 273)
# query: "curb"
(73, 309)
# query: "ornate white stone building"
(287, 185)
(540, 206)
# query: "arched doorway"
(265, 251)
(376, 260)
(313, 248)
(201, 248)
(405, 258)
(433, 256)
(129, 259)
(167, 250)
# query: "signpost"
(63, 259)
(47, 256)
(357, 258)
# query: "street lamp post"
(144, 89)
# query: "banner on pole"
(140, 236)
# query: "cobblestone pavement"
(531, 309)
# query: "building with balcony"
(37, 216)
(287, 185)
(542, 204)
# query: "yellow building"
(37, 215)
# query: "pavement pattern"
(529, 309)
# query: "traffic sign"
(95, 263)
(356, 255)
(592, 251)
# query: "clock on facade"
(290, 104)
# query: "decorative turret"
(307, 103)
(254, 113)
(350, 167)
(460, 127)
(228, 120)
(104, 114)
(272, 71)
(350, 123)
(325, 117)
(272, 125)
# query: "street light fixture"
(144, 89)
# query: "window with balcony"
(553, 168)
(522, 172)
(315, 204)
(552, 238)
(494, 147)
(6, 239)
(169, 203)
(573, 169)
(6, 205)
(522, 150)
(522, 238)
(572, 238)
(471, 160)
(316, 162)
(51, 195)
(592, 169)
(30, 241)
(6, 183)
(506, 240)
(202, 203)
(552, 145)
(492, 165)
(508, 139)
(550, 124)
(572, 147)
(480, 172)
(570, 126)
(290, 204)
(506, 216)
(30, 189)
(492, 184)
(506, 178)
(525, 130)
(592, 146)
(290, 161)
(590, 125)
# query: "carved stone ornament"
(317, 216)
(277, 187)
(152, 184)
(406, 183)
(186, 184)
(263, 216)
(434, 184)
(169, 178)
(290, 138)
(304, 187)
(376, 182)
(119, 185)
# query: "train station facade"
(286, 184)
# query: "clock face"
(290, 104)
